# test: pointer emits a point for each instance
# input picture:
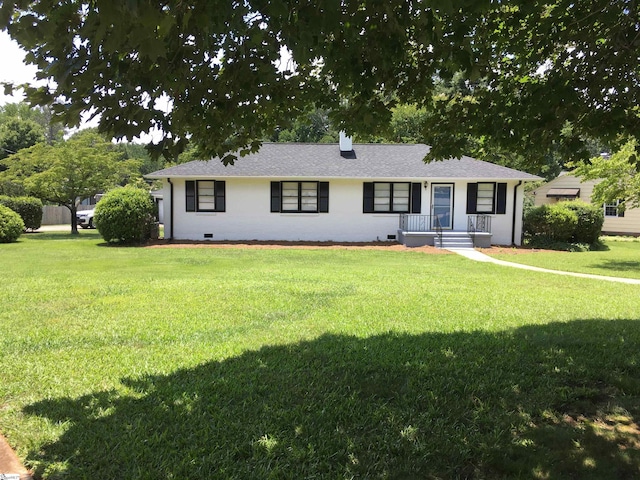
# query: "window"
(392, 197)
(614, 209)
(205, 196)
(300, 197)
(486, 197)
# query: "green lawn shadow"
(534, 402)
(61, 235)
(619, 265)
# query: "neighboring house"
(569, 187)
(346, 193)
(157, 199)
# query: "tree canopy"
(68, 172)
(43, 116)
(538, 75)
(618, 175)
(16, 134)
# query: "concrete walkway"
(55, 228)
(473, 254)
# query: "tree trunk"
(74, 219)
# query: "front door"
(442, 205)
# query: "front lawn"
(324, 363)
(620, 259)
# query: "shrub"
(29, 209)
(551, 222)
(11, 225)
(125, 215)
(590, 220)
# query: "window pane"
(381, 205)
(309, 204)
(206, 188)
(289, 189)
(300, 196)
(206, 195)
(381, 197)
(309, 189)
(611, 209)
(441, 196)
(290, 203)
(485, 198)
(400, 197)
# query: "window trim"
(492, 210)
(192, 196)
(499, 200)
(619, 213)
(370, 196)
(199, 195)
(321, 197)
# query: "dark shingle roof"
(368, 161)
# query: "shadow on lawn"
(60, 235)
(552, 401)
(624, 266)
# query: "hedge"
(550, 222)
(11, 225)
(590, 221)
(571, 221)
(29, 209)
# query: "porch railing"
(431, 223)
(478, 224)
(419, 223)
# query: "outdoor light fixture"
(426, 184)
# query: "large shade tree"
(67, 172)
(541, 75)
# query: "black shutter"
(416, 197)
(220, 195)
(275, 196)
(501, 199)
(367, 206)
(190, 200)
(323, 197)
(472, 197)
(620, 210)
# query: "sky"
(12, 68)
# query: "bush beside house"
(590, 221)
(563, 223)
(11, 225)
(125, 215)
(29, 209)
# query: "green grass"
(621, 258)
(247, 363)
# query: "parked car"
(85, 218)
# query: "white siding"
(248, 215)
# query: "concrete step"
(455, 241)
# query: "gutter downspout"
(170, 210)
(513, 220)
